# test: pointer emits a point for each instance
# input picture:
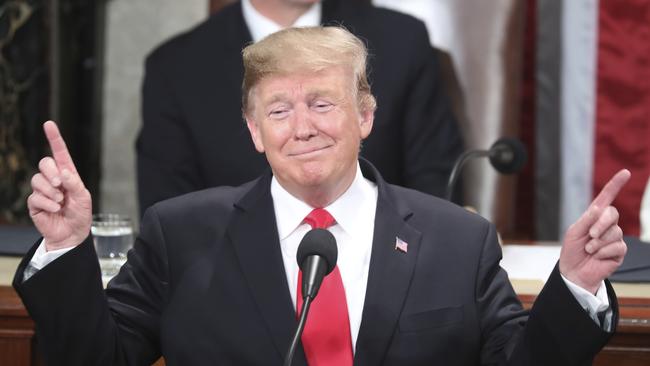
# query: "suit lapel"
(336, 11)
(238, 36)
(253, 233)
(238, 33)
(389, 277)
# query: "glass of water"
(113, 237)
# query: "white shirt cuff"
(42, 257)
(593, 304)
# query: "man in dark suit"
(212, 277)
(193, 136)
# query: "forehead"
(329, 81)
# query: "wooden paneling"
(16, 331)
(630, 346)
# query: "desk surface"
(8, 267)
(529, 266)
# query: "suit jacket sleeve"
(431, 135)
(558, 330)
(167, 164)
(80, 324)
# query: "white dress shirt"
(354, 213)
(261, 26)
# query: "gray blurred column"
(547, 118)
(133, 29)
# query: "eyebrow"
(318, 92)
(322, 91)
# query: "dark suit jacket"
(193, 136)
(205, 285)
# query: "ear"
(255, 132)
(366, 119)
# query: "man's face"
(310, 128)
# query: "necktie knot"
(319, 218)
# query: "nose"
(304, 127)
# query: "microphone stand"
(455, 172)
(301, 325)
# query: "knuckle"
(38, 182)
(44, 163)
(618, 231)
(33, 199)
(611, 214)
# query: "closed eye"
(322, 106)
(279, 113)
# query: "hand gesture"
(60, 205)
(593, 246)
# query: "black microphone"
(317, 254)
(316, 258)
(507, 155)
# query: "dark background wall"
(49, 69)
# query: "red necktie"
(326, 338)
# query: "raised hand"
(593, 246)
(60, 205)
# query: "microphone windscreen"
(318, 242)
(508, 155)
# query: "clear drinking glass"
(113, 237)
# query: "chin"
(311, 177)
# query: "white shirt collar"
(290, 211)
(261, 26)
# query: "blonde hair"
(306, 49)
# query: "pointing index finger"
(57, 144)
(611, 189)
(604, 199)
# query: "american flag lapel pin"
(401, 245)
